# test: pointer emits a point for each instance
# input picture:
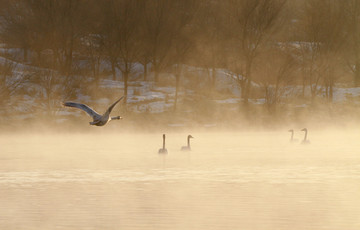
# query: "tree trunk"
(126, 77)
(327, 91)
(242, 85)
(25, 54)
(213, 78)
(303, 87)
(69, 58)
(48, 105)
(156, 72)
(331, 85)
(176, 90)
(113, 70)
(177, 77)
(357, 73)
(98, 66)
(38, 57)
(331, 93)
(248, 82)
(276, 95)
(145, 71)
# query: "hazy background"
(230, 64)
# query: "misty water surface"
(247, 180)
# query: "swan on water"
(187, 148)
(98, 120)
(292, 136)
(163, 149)
(305, 141)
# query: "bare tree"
(45, 24)
(54, 89)
(10, 82)
(158, 29)
(123, 36)
(108, 36)
(144, 42)
(352, 27)
(14, 29)
(127, 38)
(254, 21)
(324, 36)
(211, 37)
(144, 56)
(92, 48)
(277, 75)
(182, 42)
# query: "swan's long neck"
(292, 135)
(163, 141)
(188, 142)
(305, 135)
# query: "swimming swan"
(163, 150)
(292, 136)
(98, 120)
(305, 141)
(187, 148)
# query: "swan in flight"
(98, 120)
(292, 136)
(163, 149)
(305, 141)
(187, 148)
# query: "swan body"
(292, 136)
(187, 148)
(305, 141)
(98, 120)
(163, 150)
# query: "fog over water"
(234, 74)
(242, 180)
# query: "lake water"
(247, 180)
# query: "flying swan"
(98, 120)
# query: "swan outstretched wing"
(108, 111)
(86, 108)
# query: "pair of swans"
(163, 150)
(304, 141)
(98, 120)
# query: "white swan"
(305, 141)
(292, 136)
(98, 120)
(163, 149)
(187, 148)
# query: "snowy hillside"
(143, 96)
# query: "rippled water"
(229, 181)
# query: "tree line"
(277, 44)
